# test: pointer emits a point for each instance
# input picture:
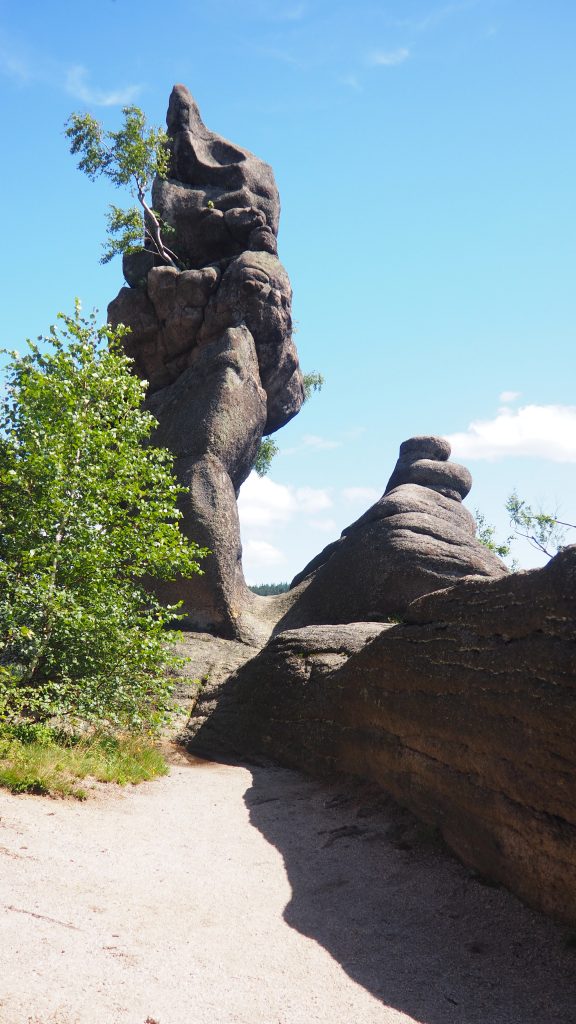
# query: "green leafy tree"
(87, 511)
(130, 158)
(542, 530)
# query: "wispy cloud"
(76, 84)
(271, 10)
(263, 502)
(26, 70)
(319, 444)
(388, 58)
(437, 15)
(15, 66)
(539, 431)
(312, 443)
(293, 12)
(352, 82)
(509, 396)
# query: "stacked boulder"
(417, 538)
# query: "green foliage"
(487, 536)
(37, 759)
(268, 448)
(87, 510)
(266, 452)
(542, 530)
(267, 589)
(124, 231)
(130, 158)
(312, 382)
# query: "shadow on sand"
(403, 918)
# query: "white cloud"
(262, 554)
(312, 499)
(262, 502)
(509, 396)
(389, 58)
(361, 494)
(265, 503)
(539, 431)
(78, 87)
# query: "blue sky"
(425, 157)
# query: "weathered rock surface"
(206, 168)
(247, 713)
(416, 539)
(215, 344)
(208, 661)
(465, 713)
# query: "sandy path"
(220, 895)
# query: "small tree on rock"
(543, 531)
(131, 157)
(268, 448)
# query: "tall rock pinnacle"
(213, 339)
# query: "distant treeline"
(266, 589)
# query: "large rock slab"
(465, 713)
(247, 712)
(415, 539)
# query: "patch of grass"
(43, 760)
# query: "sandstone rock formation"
(417, 538)
(214, 341)
(466, 713)
(247, 712)
(465, 710)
